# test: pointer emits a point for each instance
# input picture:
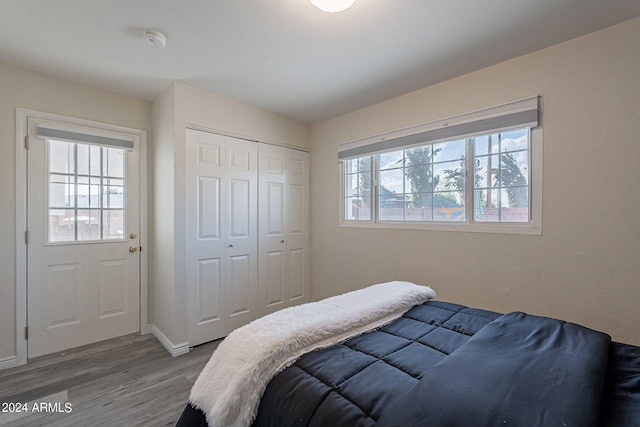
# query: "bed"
(440, 364)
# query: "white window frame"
(532, 227)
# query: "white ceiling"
(286, 56)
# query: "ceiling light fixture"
(333, 6)
(155, 38)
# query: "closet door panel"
(297, 209)
(273, 236)
(274, 278)
(240, 215)
(298, 227)
(210, 290)
(205, 240)
(274, 212)
(284, 228)
(297, 279)
(208, 202)
(242, 235)
(240, 292)
(272, 267)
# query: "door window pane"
(113, 196)
(61, 157)
(113, 160)
(85, 192)
(88, 160)
(113, 224)
(62, 190)
(88, 192)
(88, 223)
(62, 225)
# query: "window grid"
(357, 189)
(506, 190)
(432, 184)
(89, 205)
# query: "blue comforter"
(445, 364)
(519, 370)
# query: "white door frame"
(22, 115)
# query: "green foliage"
(419, 173)
(445, 201)
(510, 177)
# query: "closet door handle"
(281, 241)
(230, 246)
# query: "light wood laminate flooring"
(126, 381)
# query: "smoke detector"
(155, 38)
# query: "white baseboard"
(8, 362)
(173, 349)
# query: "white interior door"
(206, 245)
(221, 234)
(299, 288)
(83, 261)
(284, 228)
(273, 233)
(242, 233)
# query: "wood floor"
(127, 381)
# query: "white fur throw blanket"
(230, 386)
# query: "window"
(357, 180)
(86, 192)
(86, 186)
(473, 182)
(501, 182)
(422, 183)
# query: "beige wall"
(26, 89)
(161, 207)
(586, 265)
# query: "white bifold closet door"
(284, 228)
(222, 234)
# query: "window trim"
(533, 227)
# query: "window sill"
(502, 228)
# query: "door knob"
(133, 249)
